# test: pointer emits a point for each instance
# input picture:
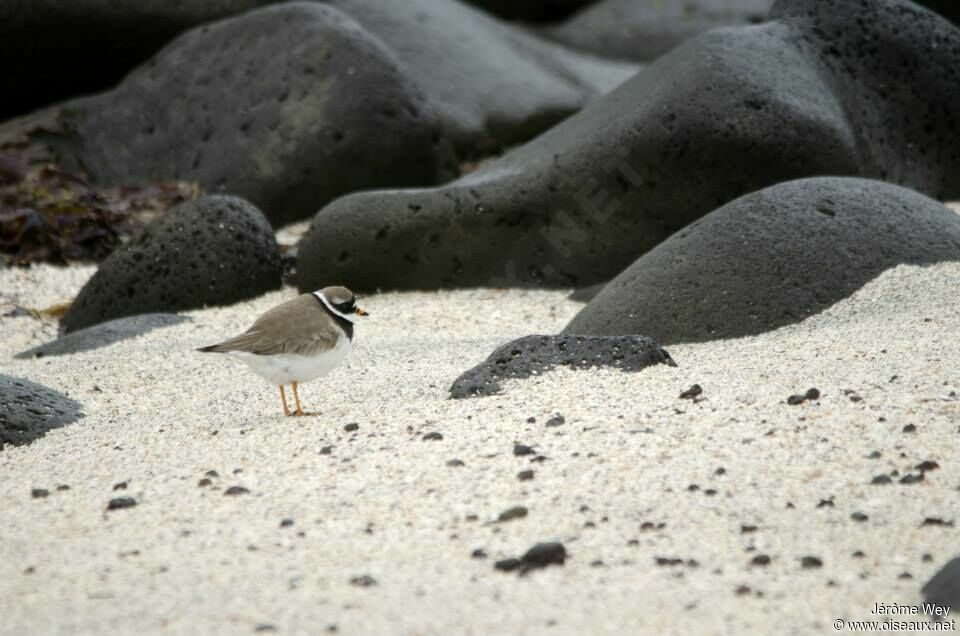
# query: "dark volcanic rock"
(66, 48)
(213, 251)
(491, 84)
(293, 105)
(772, 258)
(635, 30)
(535, 355)
(859, 88)
(539, 556)
(28, 410)
(944, 588)
(103, 334)
(288, 106)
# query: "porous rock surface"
(772, 258)
(859, 89)
(287, 106)
(628, 29)
(28, 410)
(215, 250)
(535, 355)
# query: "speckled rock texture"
(212, 251)
(298, 103)
(491, 84)
(644, 30)
(728, 113)
(28, 410)
(66, 48)
(772, 258)
(291, 106)
(579, 203)
(102, 335)
(535, 355)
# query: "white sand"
(386, 504)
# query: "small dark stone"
(810, 562)
(544, 554)
(264, 628)
(668, 561)
(880, 480)
(875, 455)
(517, 512)
(508, 565)
(326, 450)
(859, 516)
(434, 436)
(211, 473)
(363, 581)
(525, 475)
(742, 590)
(926, 466)
(63, 487)
(454, 463)
(119, 503)
(812, 394)
(794, 400)
(204, 482)
(286, 523)
(556, 420)
(351, 427)
(120, 486)
(910, 428)
(936, 521)
(39, 493)
(521, 450)
(479, 553)
(760, 559)
(531, 420)
(745, 529)
(236, 490)
(911, 479)
(692, 392)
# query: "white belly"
(285, 369)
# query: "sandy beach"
(667, 507)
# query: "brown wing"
(300, 326)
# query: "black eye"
(347, 307)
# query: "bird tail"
(212, 348)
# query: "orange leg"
(296, 398)
(283, 398)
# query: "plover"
(297, 341)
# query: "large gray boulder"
(643, 30)
(288, 106)
(491, 84)
(771, 258)
(216, 250)
(295, 104)
(824, 88)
